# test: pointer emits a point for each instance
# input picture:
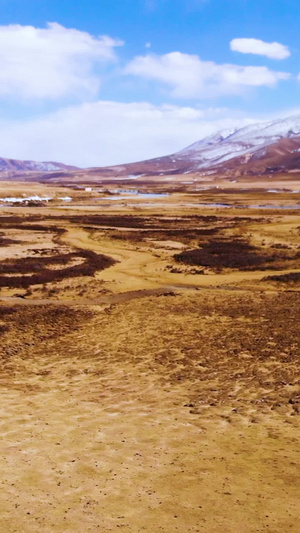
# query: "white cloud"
(190, 77)
(148, 45)
(106, 133)
(255, 46)
(51, 63)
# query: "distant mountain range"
(267, 147)
(264, 148)
(15, 165)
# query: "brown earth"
(151, 395)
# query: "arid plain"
(150, 363)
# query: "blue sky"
(105, 82)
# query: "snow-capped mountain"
(226, 145)
(266, 147)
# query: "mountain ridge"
(257, 149)
(18, 165)
(233, 150)
(230, 150)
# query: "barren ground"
(150, 364)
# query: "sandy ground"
(146, 400)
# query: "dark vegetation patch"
(26, 328)
(229, 348)
(181, 235)
(38, 272)
(182, 229)
(26, 265)
(32, 227)
(131, 221)
(154, 222)
(6, 310)
(12, 219)
(126, 221)
(219, 254)
(208, 231)
(176, 270)
(292, 277)
(280, 246)
(26, 271)
(187, 227)
(7, 242)
(5, 315)
(29, 223)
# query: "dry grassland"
(150, 369)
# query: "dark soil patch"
(7, 242)
(33, 227)
(38, 272)
(237, 254)
(119, 221)
(292, 277)
(131, 221)
(6, 310)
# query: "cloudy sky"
(101, 82)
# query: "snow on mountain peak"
(276, 130)
(230, 143)
(213, 139)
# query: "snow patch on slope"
(227, 144)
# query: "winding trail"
(142, 269)
(139, 273)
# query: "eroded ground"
(149, 369)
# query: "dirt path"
(103, 300)
(141, 269)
